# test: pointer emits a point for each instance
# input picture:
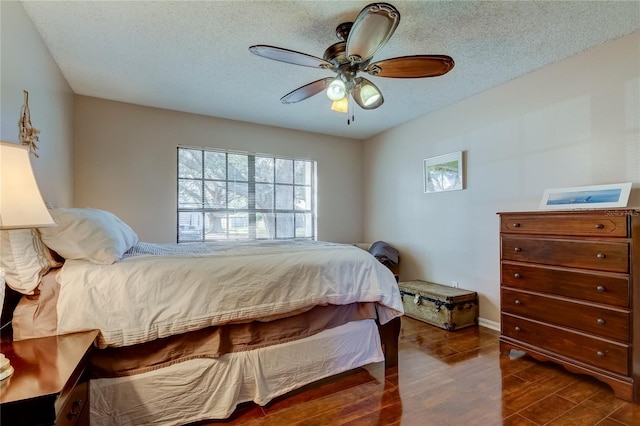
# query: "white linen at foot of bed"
(211, 388)
(142, 298)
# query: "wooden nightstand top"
(44, 366)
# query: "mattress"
(211, 388)
(149, 296)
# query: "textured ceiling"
(194, 57)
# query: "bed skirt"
(211, 388)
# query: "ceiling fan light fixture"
(336, 90)
(366, 94)
(341, 105)
(369, 94)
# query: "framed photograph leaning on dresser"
(444, 173)
(586, 197)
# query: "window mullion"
(203, 202)
(226, 193)
(251, 195)
(275, 200)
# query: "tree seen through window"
(230, 195)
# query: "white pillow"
(88, 234)
(25, 259)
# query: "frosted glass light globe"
(336, 90)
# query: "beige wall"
(27, 65)
(572, 123)
(125, 160)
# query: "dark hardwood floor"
(447, 378)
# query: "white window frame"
(200, 219)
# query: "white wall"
(125, 162)
(27, 65)
(572, 123)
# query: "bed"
(189, 331)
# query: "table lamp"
(21, 206)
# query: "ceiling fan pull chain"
(353, 117)
(353, 114)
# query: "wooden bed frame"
(389, 335)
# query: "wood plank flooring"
(447, 378)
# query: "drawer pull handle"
(516, 328)
(517, 249)
(516, 275)
(75, 409)
(600, 321)
(600, 288)
(601, 255)
(516, 225)
(599, 226)
(600, 353)
(517, 302)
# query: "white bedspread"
(145, 297)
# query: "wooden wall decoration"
(28, 133)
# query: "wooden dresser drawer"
(607, 323)
(565, 224)
(597, 352)
(71, 413)
(586, 254)
(608, 288)
(570, 291)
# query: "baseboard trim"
(489, 324)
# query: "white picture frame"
(444, 173)
(586, 197)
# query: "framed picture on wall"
(444, 173)
(586, 197)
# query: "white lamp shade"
(336, 90)
(21, 205)
(369, 94)
(366, 94)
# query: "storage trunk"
(443, 306)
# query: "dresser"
(50, 382)
(570, 291)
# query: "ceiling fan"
(359, 41)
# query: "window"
(224, 195)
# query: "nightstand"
(50, 384)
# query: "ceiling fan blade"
(306, 91)
(366, 94)
(417, 66)
(371, 30)
(289, 56)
